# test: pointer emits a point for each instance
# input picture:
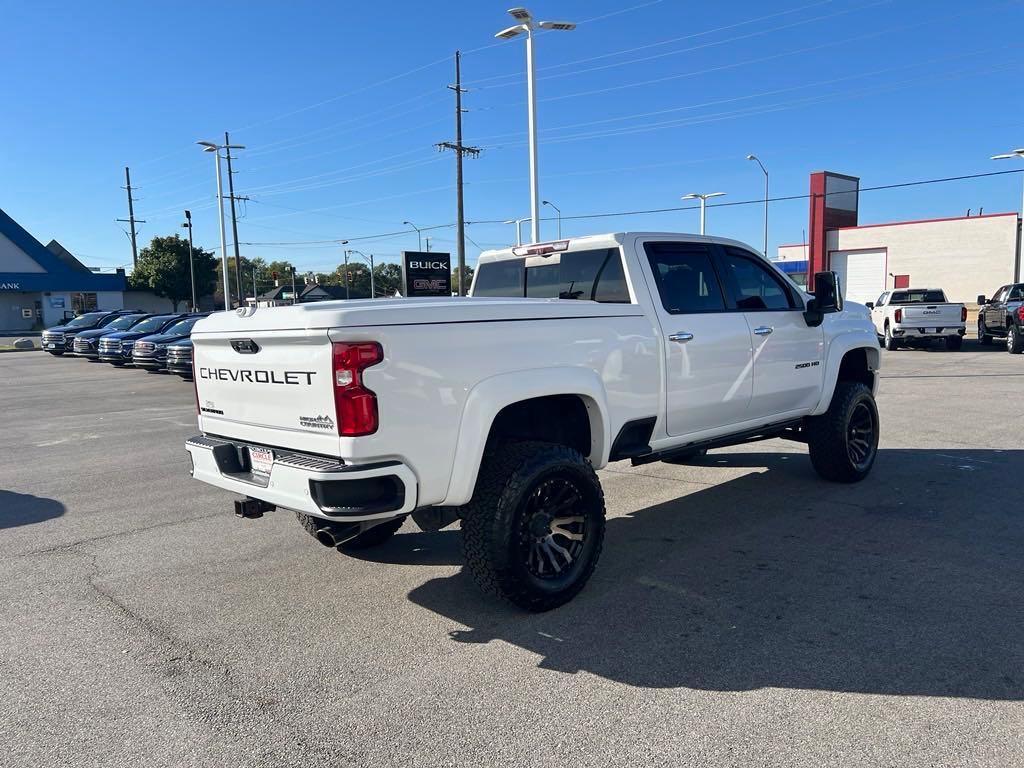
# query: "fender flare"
(837, 349)
(487, 398)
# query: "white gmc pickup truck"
(913, 315)
(496, 410)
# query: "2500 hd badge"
(258, 377)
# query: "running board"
(787, 430)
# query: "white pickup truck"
(495, 410)
(912, 315)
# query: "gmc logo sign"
(426, 274)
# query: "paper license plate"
(929, 330)
(261, 460)
(51, 346)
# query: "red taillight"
(963, 314)
(1020, 313)
(354, 404)
(898, 315)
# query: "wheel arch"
(851, 358)
(564, 405)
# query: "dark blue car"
(116, 348)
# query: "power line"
(610, 214)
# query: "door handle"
(682, 337)
(763, 330)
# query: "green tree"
(387, 278)
(468, 279)
(163, 268)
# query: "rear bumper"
(311, 484)
(908, 332)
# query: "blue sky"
(340, 105)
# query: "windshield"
(182, 327)
(151, 325)
(122, 323)
(89, 319)
(918, 297)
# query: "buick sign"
(426, 274)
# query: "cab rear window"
(594, 275)
(917, 297)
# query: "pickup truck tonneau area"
(496, 409)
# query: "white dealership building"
(964, 255)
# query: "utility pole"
(295, 298)
(254, 294)
(234, 217)
(459, 150)
(131, 220)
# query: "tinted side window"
(881, 300)
(499, 278)
(752, 285)
(595, 275)
(1016, 293)
(685, 276)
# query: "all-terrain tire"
(953, 343)
(503, 524)
(843, 441)
(890, 342)
(1014, 340)
(983, 338)
(370, 538)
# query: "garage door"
(861, 273)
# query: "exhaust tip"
(325, 537)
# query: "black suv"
(116, 348)
(86, 343)
(1002, 317)
(61, 338)
(151, 352)
(179, 358)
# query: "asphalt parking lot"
(744, 611)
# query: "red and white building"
(965, 256)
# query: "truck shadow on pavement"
(909, 583)
(18, 509)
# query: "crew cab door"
(995, 311)
(788, 355)
(708, 377)
(878, 313)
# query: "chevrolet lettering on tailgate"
(258, 377)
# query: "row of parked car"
(154, 342)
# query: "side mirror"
(869, 304)
(827, 298)
(981, 299)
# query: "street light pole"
(558, 212)
(519, 228)
(756, 159)
(191, 261)
(369, 260)
(419, 235)
(209, 146)
(703, 197)
(527, 26)
(1019, 154)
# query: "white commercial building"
(965, 256)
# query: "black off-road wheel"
(369, 538)
(843, 441)
(533, 531)
(953, 343)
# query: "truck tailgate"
(932, 315)
(273, 381)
